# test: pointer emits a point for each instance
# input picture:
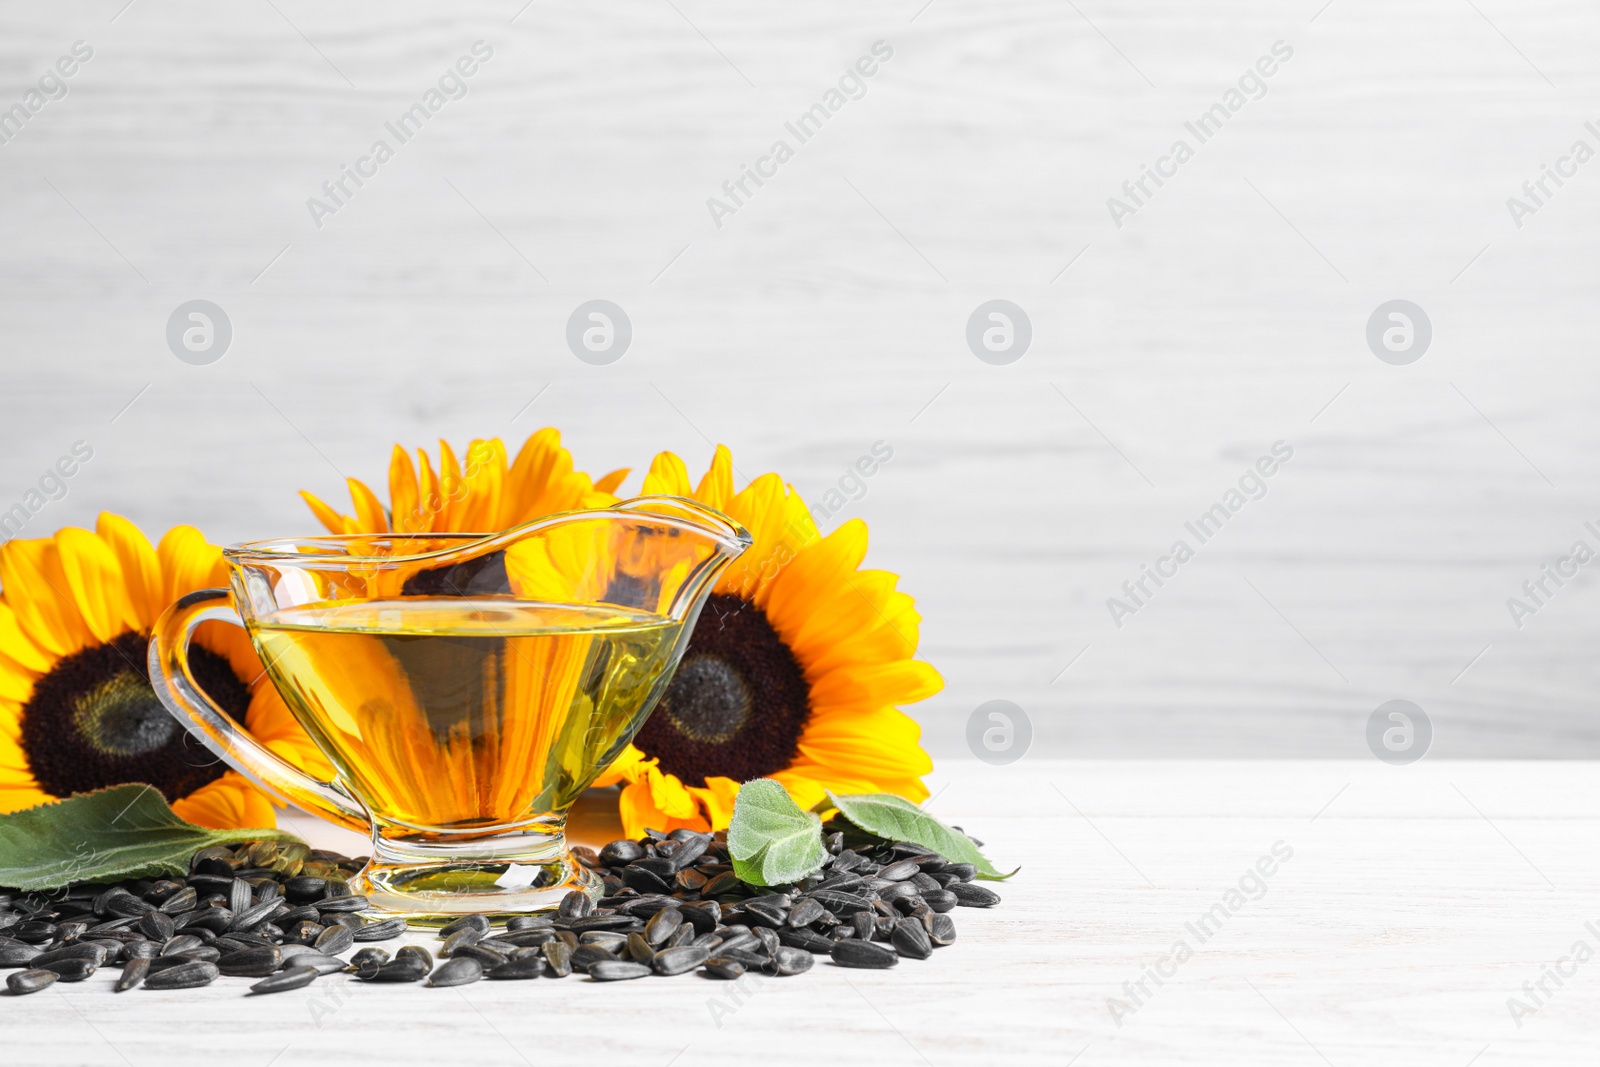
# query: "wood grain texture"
(1414, 903)
(829, 313)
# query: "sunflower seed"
(341, 904)
(677, 960)
(721, 884)
(805, 912)
(721, 967)
(617, 970)
(251, 962)
(186, 975)
(467, 935)
(525, 922)
(386, 930)
(526, 967)
(132, 974)
(418, 951)
(911, 940)
(943, 930)
(157, 925)
(620, 853)
(788, 961)
(809, 940)
(663, 925)
(853, 952)
(576, 904)
(525, 938)
(460, 971)
(18, 954)
(584, 955)
(645, 881)
(971, 895)
(479, 923)
(768, 939)
(240, 896)
(640, 949)
(900, 871)
(255, 914)
(766, 913)
(557, 959)
(305, 889)
(334, 940)
(409, 969)
(78, 951)
(294, 977)
(485, 953)
(21, 983)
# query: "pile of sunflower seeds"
(284, 915)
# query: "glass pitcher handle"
(174, 683)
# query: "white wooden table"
(1416, 901)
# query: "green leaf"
(771, 840)
(126, 831)
(897, 819)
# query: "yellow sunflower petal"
(17, 645)
(716, 797)
(16, 683)
(188, 563)
(667, 477)
(20, 798)
(95, 581)
(228, 803)
(369, 512)
(406, 515)
(638, 811)
(901, 682)
(326, 515)
(609, 482)
(716, 488)
(36, 589)
(138, 565)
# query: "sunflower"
(793, 671)
(77, 711)
(486, 495)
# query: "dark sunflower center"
(94, 721)
(737, 704)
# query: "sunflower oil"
(445, 714)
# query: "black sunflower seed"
(305, 889)
(488, 955)
(662, 926)
(132, 974)
(186, 975)
(722, 883)
(467, 935)
(30, 981)
(157, 925)
(911, 940)
(409, 969)
(251, 962)
(809, 940)
(805, 912)
(942, 930)
(677, 960)
(76, 951)
(341, 904)
(853, 952)
(620, 853)
(972, 895)
(609, 940)
(386, 930)
(255, 914)
(334, 940)
(576, 904)
(459, 971)
(318, 962)
(525, 938)
(645, 881)
(526, 967)
(639, 949)
(557, 958)
(900, 870)
(526, 922)
(941, 900)
(71, 970)
(366, 962)
(584, 955)
(418, 951)
(479, 923)
(617, 970)
(766, 913)
(240, 896)
(721, 967)
(292, 977)
(788, 960)
(841, 903)
(18, 954)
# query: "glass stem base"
(430, 883)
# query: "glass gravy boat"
(466, 688)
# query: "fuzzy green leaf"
(127, 831)
(771, 841)
(897, 819)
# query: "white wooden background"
(1416, 902)
(829, 313)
